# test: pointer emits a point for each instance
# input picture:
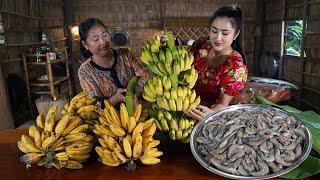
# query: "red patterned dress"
(228, 78)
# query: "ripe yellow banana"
(118, 131)
(149, 160)
(62, 156)
(124, 116)
(73, 123)
(73, 164)
(149, 131)
(37, 138)
(88, 108)
(127, 147)
(79, 157)
(22, 147)
(148, 123)
(137, 148)
(29, 144)
(137, 131)
(40, 120)
(81, 128)
(195, 103)
(120, 156)
(185, 104)
(137, 112)
(74, 137)
(114, 115)
(50, 119)
(48, 142)
(131, 124)
(62, 124)
(32, 130)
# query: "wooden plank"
(302, 61)
(5, 111)
(11, 60)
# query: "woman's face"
(98, 41)
(222, 34)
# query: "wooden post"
(26, 76)
(6, 120)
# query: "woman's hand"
(199, 113)
(118, 97)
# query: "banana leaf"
(311, 165)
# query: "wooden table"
(176, 163)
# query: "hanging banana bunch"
(171, 87)
(61, 143)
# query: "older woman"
(106, 72)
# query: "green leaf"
(309, 167)
(261, 100)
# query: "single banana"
(149, 131)
(62, 124)
(118, 131)
(62, 156)
(74, 137)
(73, 164)
(48, 142)
(127, 147)
(40, 120)
(29, 144)
(131, 124)
(137, 148)
(149, 160)
(81, 128)
(124, 116)
(23, 147)
(137, 112)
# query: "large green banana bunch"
(157, 85)
(126, 138)
(62, 143)
(180, 99)
(171, 87)
(179, 127)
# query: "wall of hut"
(24, 22)
(302, 71)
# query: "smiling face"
(222, 34)
(98, 41)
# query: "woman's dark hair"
(84, 28)
(236, 18)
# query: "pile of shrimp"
(252, 142)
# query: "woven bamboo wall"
(23, 23)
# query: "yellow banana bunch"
(83, 106)
(125, 142)
(62, 143)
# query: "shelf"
(50, 62)
(47, 83)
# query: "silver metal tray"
(197, 155)
(272, 81)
